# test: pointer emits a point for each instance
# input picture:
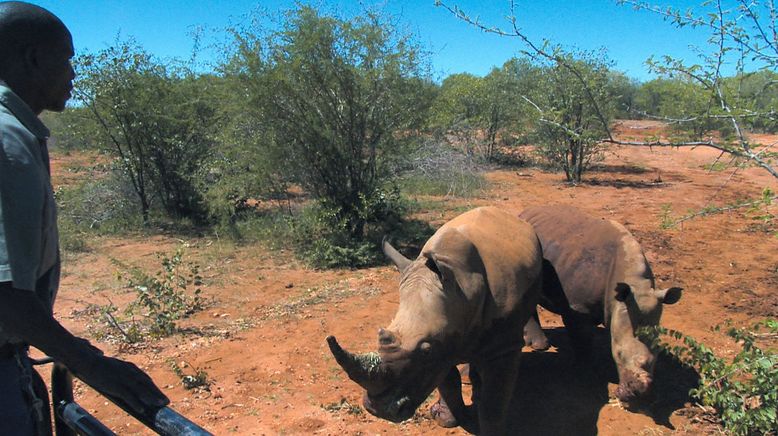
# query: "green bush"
(323, 238)
(167, 296)
(318, 237)
(743, 391)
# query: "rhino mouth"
(390, 407)
(635, 388)
(392, 392)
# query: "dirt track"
(262, 341)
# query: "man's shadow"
(557, 394)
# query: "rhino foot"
(446, 419)
(533, 334)
(537, 344)
(442, 415)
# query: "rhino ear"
(457, 260)
(400, 261)
(622, 291)
(669, 295)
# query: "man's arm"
(23, 315)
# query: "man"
(36, 75)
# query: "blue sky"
(164, 27)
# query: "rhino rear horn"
(400, 261)
(363, 369)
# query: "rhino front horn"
(363, 369)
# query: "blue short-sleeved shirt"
(29, 242)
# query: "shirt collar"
(22, 111)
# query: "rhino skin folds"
(464, 299)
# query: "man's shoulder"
(16, 141)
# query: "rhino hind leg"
(533, 334)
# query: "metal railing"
(70, 419)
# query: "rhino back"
(510, 252)
(585, 252)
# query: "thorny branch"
(724, 29)
(709, 211)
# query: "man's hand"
(22, 315)
(122, 380)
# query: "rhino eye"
(432, 266)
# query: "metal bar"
(61, 392)
(165, 421)
(70, 419)
(78, 419)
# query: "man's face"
(55, 73)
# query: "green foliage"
(323, 239)
(574, 105)
(156, 121)
(760, 210)
(458, 102)
(475, 113)
(624, 91)
(666, 220)
(315, 235)
(71, 129)
(333, 101)
(463, 184)
(167, 296)
(744, 391)
(198, 380)
(685, 103)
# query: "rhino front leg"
(533, 334)
(498, 381)
(450, 410)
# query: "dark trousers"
(23, 398)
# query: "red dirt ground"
(262, 344)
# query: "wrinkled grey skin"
(463, 300)
(594, 272)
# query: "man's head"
(35, 52)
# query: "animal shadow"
(558, 394)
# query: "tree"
(336, 99)
(568, 127)
(476, 110)
(456, 108)
(624, 90)
(155, 119)
(745, 32)
(674, 101)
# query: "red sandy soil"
(261, 341)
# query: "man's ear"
(31, 59)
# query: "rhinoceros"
(594, 272)
(464, 299)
